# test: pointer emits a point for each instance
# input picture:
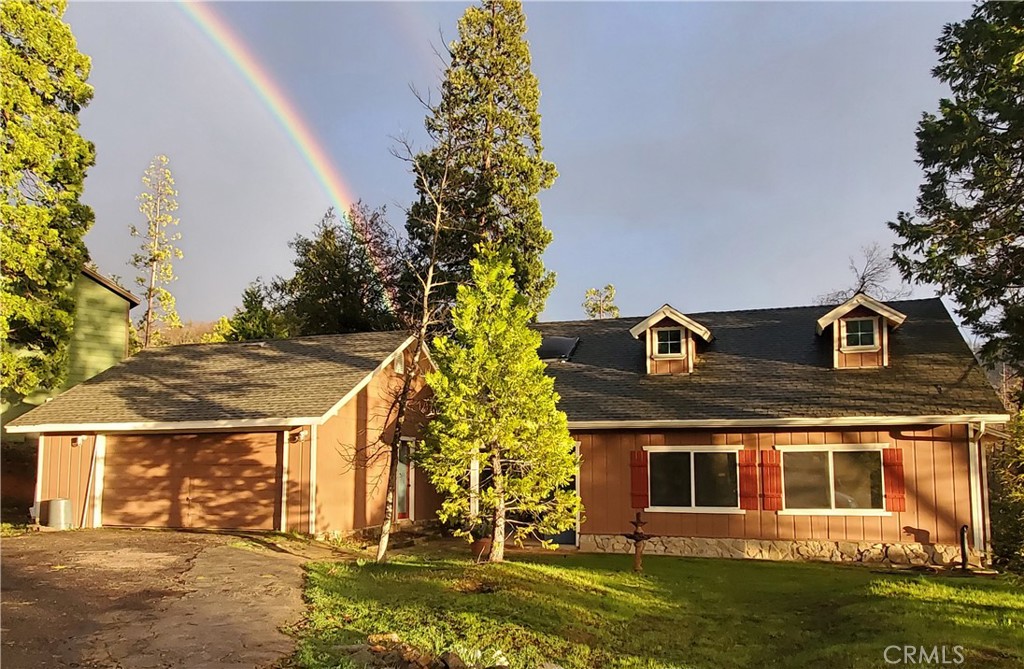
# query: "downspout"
(986, 506)
(978, 488)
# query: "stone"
(364, 658)
(549, 665)
(390, 638)
(451, 660)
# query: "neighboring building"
(276, 435)
(99, 337)
(849, 434)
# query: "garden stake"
(639, 538)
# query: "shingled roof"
(274, 380)
(771, 364)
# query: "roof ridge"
(251, 342)
(823, 307)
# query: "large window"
(693, 479)
(670, 341)
(833, 479)
(860, 333)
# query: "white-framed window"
(844, 480)
(668, 342)
(399, 364)
(859, 334)
(693, 479)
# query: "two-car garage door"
(223, 481)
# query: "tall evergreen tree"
(488, 116)
(157, 252)
(496, 406)
(42, 170)
(967, 233)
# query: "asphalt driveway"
(150, 599)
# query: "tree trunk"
(149, 304)
(497, 553)
(396, 444)
(389, 501)
(401, 403)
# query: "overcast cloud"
(715, 156)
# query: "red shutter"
(748, 479)
(771, 480)
(895, 492)
(638, 479)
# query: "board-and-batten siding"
(936, 473)
(65, 474)
(99, 336)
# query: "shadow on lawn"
(586, 611)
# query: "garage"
(217, 481)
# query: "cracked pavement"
(135, 599)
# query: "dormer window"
(670, 339)
(669, 342)
(860, 333)
(859, 329)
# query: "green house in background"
(99, 340)
(99, 337)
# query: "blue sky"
(711, 155)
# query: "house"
(99, 336)
(850, 433)
(99, 339)
(275, 435)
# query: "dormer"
(860, 329)
(670, 340)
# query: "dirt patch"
(130, 599)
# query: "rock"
(387, 639)
(364, 658)
(549, 665)
(451, 660)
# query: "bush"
(1006, 480)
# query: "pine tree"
(42, 169)
(600, 303)
(967, 233)
(342, 276)
(157, 252)
(488, 116)
(257, 318)
(496, 406)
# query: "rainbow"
(289, 118)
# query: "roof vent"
(254, 344)
(557, 348)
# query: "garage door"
(222, 481)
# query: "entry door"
(403, 485)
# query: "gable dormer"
(860, 329)
(670, 340)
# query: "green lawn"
(588, 611)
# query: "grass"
(13, 529)
(586, 611)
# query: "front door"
(403, 486)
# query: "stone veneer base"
(766, 549)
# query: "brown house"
(275, 435)
(849, 434)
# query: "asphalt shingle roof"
(290, 378)
(770, 363)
